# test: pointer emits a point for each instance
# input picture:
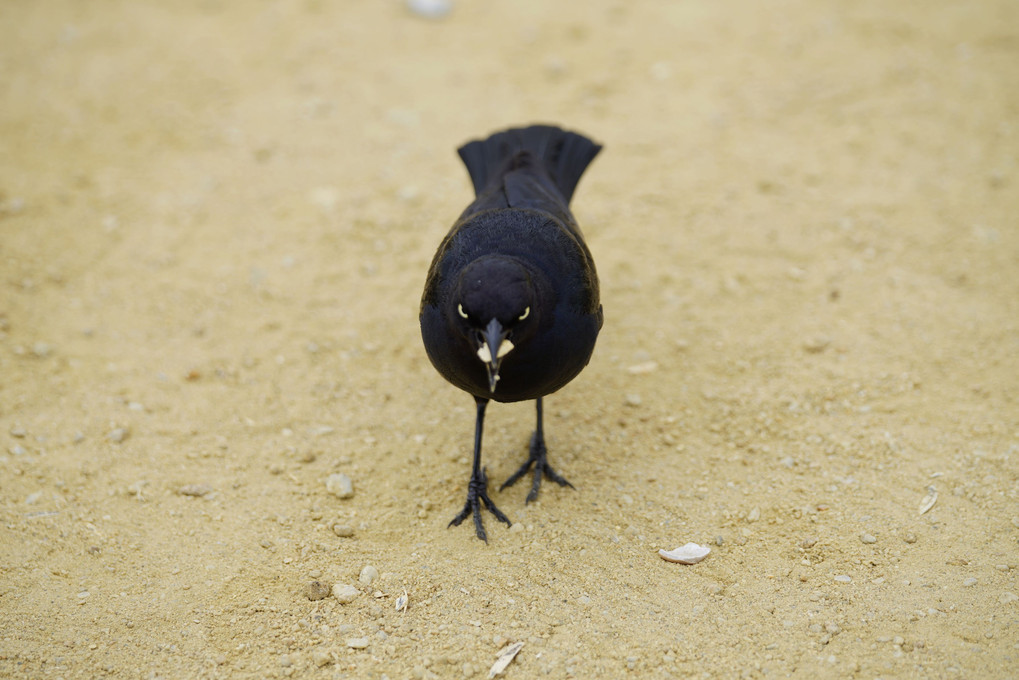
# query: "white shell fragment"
(929, 500)
(506, 655)
(401, 602)
(691, 553)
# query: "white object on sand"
(691, 553)
(506, 655)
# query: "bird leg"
(477, 488)
(539, 459)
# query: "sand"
(215, 222)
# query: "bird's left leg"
(539, 459)
(477, 488)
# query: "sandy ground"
(215, 221)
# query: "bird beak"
(495, 345)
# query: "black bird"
(510, 310)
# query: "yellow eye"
(526, 313)
(461, 312)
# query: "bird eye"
(461, 312)
(527, 312)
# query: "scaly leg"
(477, 488)
(539, 459)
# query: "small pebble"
(633, 400)
(642, 368)
(368, 575)
(868, 538)
(316, 590)
(909, 537)
(340, 485)
(843, 578)
(343, 530)
(321, 658)
(816, 344)
(754, 514)
(430, 9)
(18, 432)
(1007, 598)
(345, 593)
(358, 643)
(969, 582)
(118, 434)
(195, 490)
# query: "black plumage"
(510, 309)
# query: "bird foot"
(477, 493)
(539, 459)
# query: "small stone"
(633, 400)
(343, 530)
(843, 578)
(430, 9)
(642, 368)
(754, 514)
(368, 575)
(909, 537)
(118, 434)
(969, 582)
(516, 528)
(340, 485)
(358, 643)
(816, 344)
(18, 432)
(1007, 598)
(42, 350)
(868, 538)
(195, 490)
(285, 661)
(321, 658)
(316, 590)
(345, 593)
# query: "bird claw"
(539, 459)
(477, 494)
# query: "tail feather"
(565, 155)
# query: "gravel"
(345, 593)
(340, 485)
(316, 590)
(368, 575)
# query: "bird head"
(495, 309)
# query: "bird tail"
(565, 155)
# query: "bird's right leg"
(477, 489)
(539, 459)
